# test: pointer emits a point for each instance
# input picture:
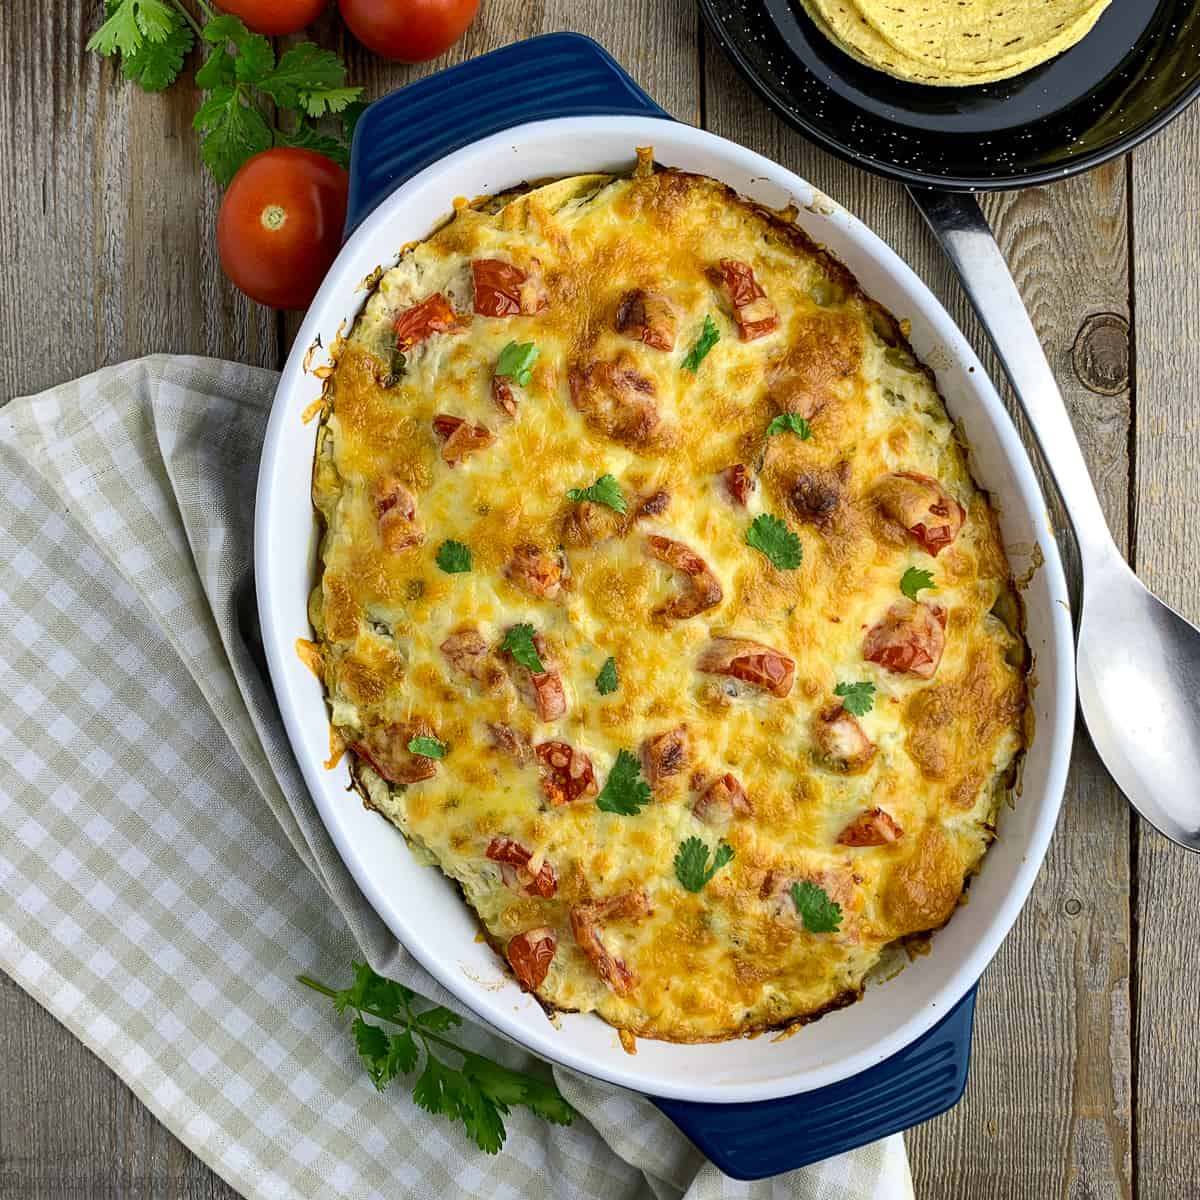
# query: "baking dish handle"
(767, 1137)
(555, 75)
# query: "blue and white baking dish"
(557, 106)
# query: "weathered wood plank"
(1166, 249)
(1047, 1110)
(71, 1130)
(105, 215)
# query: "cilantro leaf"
(402, 1054)
(516, 362)
(819, 913)
(217, 69)
(518, 641)
(438, 1019)
(225, 28)
(372, 1045)
(913, 580)
(453, 557)
(479, 1092)
(310, 79)
(606, 490)
(349, 116)
(131, 24)
(710, 335)
(857, 698)
(427, 747)
(156, 65)
(624, 791)
(606, 681)
(770, 535)
(255, 60)
(691, 863)
(230, 132)
(305, 137)
(790, 422)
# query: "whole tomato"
(280, 225)
(408, 30)
(274, 17)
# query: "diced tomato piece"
(503, 290)
(923, 507)
(516, 858)
(750, 661)
(909, 639)
(530, 955)
(754, 313)
(462, 439)
(875, 827)
(433, 315)
(567, 774)
(385, 749)
(739, 483)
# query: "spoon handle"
(960, 226)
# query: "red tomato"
(408, 30)
(274, 17)
(280, 225)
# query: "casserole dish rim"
(664, 1069)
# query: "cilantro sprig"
(774, 539)
(914, 580)
(606, 490)
(625, 791)
(478, 1092)
(427, 747)
(857, 698)
(790, 422)
(692, 867)
(516, 362)
(710, 335)
(518, 641)
(453, 557)
(819, 913)
(248, 90)
(607, 681)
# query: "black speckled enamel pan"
(1136, 70)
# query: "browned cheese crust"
(728, 664)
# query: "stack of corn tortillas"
(954, 43)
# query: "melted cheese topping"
(737, 956)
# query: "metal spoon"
(1138, 662)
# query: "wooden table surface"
(1086, 1060)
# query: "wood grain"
(1047, 1110)
(105, 207)
(1166, 250)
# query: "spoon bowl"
(1138, 665)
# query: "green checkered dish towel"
(164, 875)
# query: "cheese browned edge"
(734, 958)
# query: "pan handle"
(963, 231)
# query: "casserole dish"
(420, 905)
